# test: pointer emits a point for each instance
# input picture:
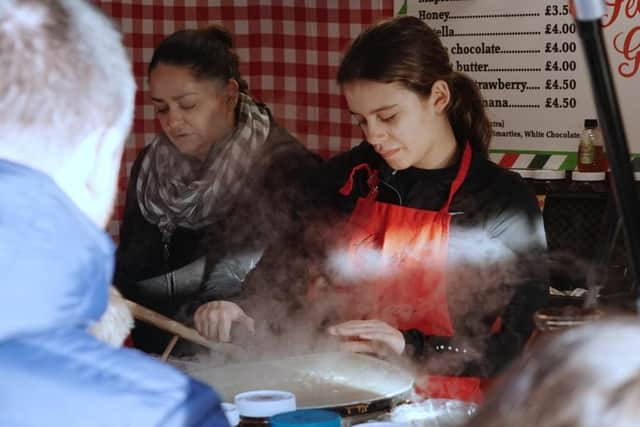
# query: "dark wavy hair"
(208, 52)
(407, 51)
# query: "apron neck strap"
(372, 181)
(372, 178)
(465, 163)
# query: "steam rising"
(483, 274)
(371, 263)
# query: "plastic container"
(433, 413)
(306, 418)
(232, 414)
(382, 424)
(591, 156)
(548, 181)
(256, 407)
(588, 182)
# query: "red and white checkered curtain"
(289, 52)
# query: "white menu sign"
(527, 58)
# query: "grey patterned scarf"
(176, 191)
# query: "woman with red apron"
(418, 115)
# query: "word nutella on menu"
(526, 58)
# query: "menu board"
(528, 61)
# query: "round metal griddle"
(350, 384)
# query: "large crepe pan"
(350, 384)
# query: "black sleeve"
(518, 226)
(479, 356)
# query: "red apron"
(409, 292)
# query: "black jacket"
(197, 266)
(496, 255)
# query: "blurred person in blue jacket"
(65, 111)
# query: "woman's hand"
(214, 319)
(375, 336)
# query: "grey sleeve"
(196, 283)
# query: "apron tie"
(372, 181)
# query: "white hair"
(588, 376)
(65, 79)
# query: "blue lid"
(306, 418)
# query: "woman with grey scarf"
(217, 193)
